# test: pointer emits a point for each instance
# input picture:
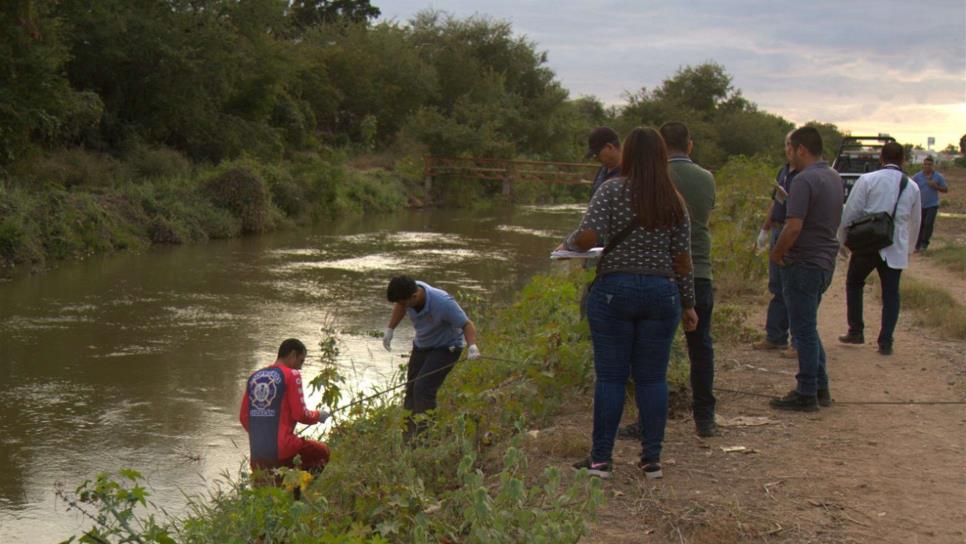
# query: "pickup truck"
(858, 155)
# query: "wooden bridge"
(508, 171)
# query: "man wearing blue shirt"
(930, 183)
(442, 329)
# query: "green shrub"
(370, 191)
(743, 187)
(239, 188)
(158, 162)
(75, 167)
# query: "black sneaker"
(885, 349)
(706, 429)
(852, 338)
(601, 470)
(651, 469)
(631, 431)
(824, 398)
(795, 402)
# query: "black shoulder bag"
(873, 231)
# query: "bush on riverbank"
(77, 204)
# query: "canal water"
(138, 361)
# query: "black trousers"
(860, 266)
(428, 367)
(701, 353)
(925, 229)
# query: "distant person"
(884, 190)
(805, 252)
(930, 183)
(272, 404)
(776, 320)
(644, 286)
(442, 330)
(604, 146)
(697, 187)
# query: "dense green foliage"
(170, 121)
(217, 79)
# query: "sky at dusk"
(869, 67)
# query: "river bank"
(72, 205)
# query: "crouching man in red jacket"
(272, 404)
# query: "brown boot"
(766, 345)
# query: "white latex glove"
(387, 338)
(324, 415)
(473, 353)
(762, 242)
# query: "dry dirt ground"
(854, 473)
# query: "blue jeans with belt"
(803, 286)
(633, 318)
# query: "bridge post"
(427, 174)
(508, 176)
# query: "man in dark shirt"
(806, 251)
(776, 320)
(604, 145)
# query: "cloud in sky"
(886, 66)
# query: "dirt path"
(850, 473)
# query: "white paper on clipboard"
(591, 253)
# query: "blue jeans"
(701, 354)
(803, 285)
(633, 319)
(776, 322)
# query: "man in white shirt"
(879, 191)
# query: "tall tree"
(310, 13)
(37, 103)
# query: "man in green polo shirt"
(696, 185)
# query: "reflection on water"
(138, 360)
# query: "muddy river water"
(138, 360)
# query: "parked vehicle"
(858, 155)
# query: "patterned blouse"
(648, 251)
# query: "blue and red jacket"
(272, 404)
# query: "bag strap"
(902, 187)
(618, 238)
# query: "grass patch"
(951, 257)
(934, 308)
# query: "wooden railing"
(507, 171)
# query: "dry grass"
(951, 257)
(934, 308)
